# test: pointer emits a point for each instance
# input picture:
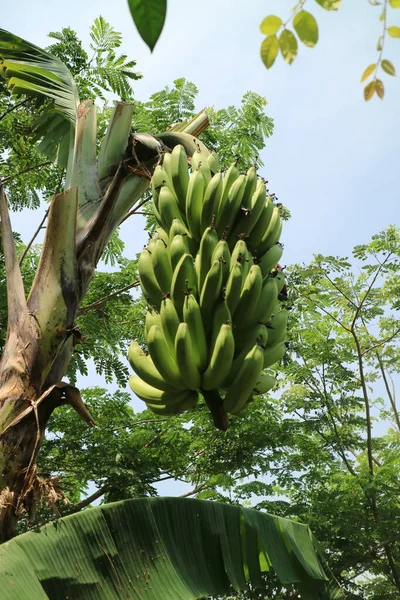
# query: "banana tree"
(227, 546)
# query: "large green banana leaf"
(31, 71)
(161, 549)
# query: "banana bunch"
(214, 322)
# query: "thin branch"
(2, 116)
(381, 343)
(375, 277)
(341, 291)
(196, 490)
(95, 496)
(27, 248)
(134, 210)
(366, 402)
(33, 168)
(105, 298)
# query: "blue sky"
(333, 158)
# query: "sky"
(332, 159)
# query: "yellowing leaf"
(368, 71)
(288, 45)
(306, 28)
(369, 90)
(394, 31)
(380, 90)
(329, 4)
(379, 43)
(269, 50)
(270, 25)
(394, 3)
(388, 67)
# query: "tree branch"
(33, 168)
(105, 298)
(2, 116)
(27, 248)
(95, 496)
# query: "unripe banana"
(194, 204)
(208, 244)
(148, 282)
(234, 286)
(251, 185)
(200, 163)
(157, 181)
(212, 197)
(167, 168)
(273, 354)
(271, 235)
(180, 175)
(244, 382)
(161, 234)
(210, 292)
(162, 358)
(280, 279)
(177, 228)
(192, 316)
(189, 402)
(240, 253)
(221, 316)
(168, 207)
(270, 259)
(169, 321)
(179, 246)
(268, 301)
(221, 359)
(144, 367)
(249, 216)
(249, 298)
(264, 384)
(184, 351)
(148, 393)
(213, 162)
(228, 210)
(246, 338)
(162, 266)
(277, 327)
(230, 176)
(261, 226)
(152, 318)
(184, 281)
(222, 251)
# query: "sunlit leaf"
(270, 25)
(329, 4)
(288, 45)
(368, 71)
(394, 31)
(149, 18)
(369, 90)
(379, 87)
(394, 3)
(379, 43)
(269, 50)
(306, 28)
(388, 67)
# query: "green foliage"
(149, 18)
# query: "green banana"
(221, 250)
(194, 204)
(200, 163)
(208, 244)
(180, 174)
(169, 321)
(213, 162)
(268, 301)
(249, 298)
(248, 337)
(273, 354)
(177, 228)
(210, 292)
(144, 367)
(183, 282)
(157, 181)
(148, 282)
(211, 201)
(261, 226)
(192, 316)
(221, 359)
(251, 186)
(162, 358)
(264, 384)
(179, 246)
(152, 318)
(270, 259)
(280, 279)
(168, 207)
(228, 210)
(240, 253)
(189, 402)
(234, 286)
(249, 216)
(245, 380)
(162, 266)
(221, 316)
(277, 327)
(272, 233)
(230, 177)
(148, 393)
(184, 351)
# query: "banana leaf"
(161, 549)
(31, 71)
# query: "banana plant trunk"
(41, 331)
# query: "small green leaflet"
(388, 67)
(368, 71)
(288, 45)
(369, 90)
(380, 90)
(149, 18)
(270, 25)
(269, 50)
(394, 31)
(306, 28)
(329, 4)
(394, 3)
